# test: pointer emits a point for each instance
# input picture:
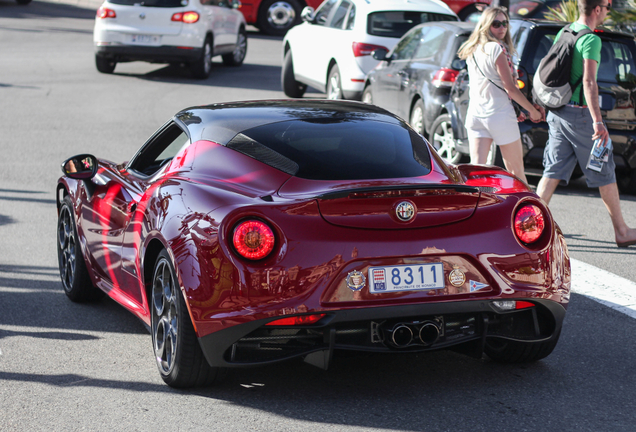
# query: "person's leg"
(546, 188)
(512, 155)
(625, 236)
(479, 148)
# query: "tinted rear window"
(337, 150)
(396, 23)
(152, 3)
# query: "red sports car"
(255, 232)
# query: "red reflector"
(297, 320)
(445, 77)
(361, 49)
(357, 80)
(253, 239)
(186, 17)
(520, 304)
(103, 13)
(529, 223)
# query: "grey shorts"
(570, 141)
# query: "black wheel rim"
(67, 244)
(165, 317)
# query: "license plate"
(406, 278)
(136, 39)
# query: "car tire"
(417, 117)
(443, 139)
(334, 84)
(179, 356)
(367, 95)
(76, 281)
(626, 181)
(469, 13)
(202, 67)
(236, 57)
(507, 351)
(291, 87)
(105, 65)
(275, 17)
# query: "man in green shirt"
(575, 127)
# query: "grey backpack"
(551, 82)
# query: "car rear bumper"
(433, 326)
(161, 54)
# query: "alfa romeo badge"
(356, 280)
(405, 211)
(456, 277)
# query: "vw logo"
(405, 211)
(142, 15)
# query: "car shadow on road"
(37, 9)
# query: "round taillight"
(253, 239)
(529, 223)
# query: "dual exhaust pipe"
(422, 333)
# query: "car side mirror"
(381, 54)
(308, 14)
(235, 4)
(458, 64)
(80, 167)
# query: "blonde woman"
(491, 115)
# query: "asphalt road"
(66, 366)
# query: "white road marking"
(607, 288)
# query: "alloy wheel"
(68, 247)
(165, 322)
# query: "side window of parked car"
(407, 46)
(617, 64)
(352, 17)
(519, 39)
(339, 17)
(541, 44)
(323, 12)
(431, 44)
(160, 150)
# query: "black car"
(617, 94)
(414, 79)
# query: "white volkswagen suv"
(331, 50)
(169, 31)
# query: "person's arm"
(590, 89)
(511, 87)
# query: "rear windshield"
(396, 23)
(152, 3)
(336, 149)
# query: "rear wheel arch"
(151, 254)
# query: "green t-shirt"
(587, 47)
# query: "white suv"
(169, 31)
(331, 50)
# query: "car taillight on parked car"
(186, 17)
(525, 7)
(445, 77)
(103, 12)
(529, 223)
(362, 49)
(253, 239)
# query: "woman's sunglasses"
(496, 24)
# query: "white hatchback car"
(331, 50)
(169, 31)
